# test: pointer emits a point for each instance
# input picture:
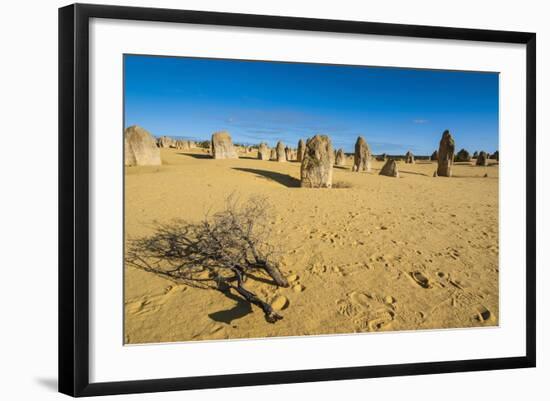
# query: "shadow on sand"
(239, 310)
(242, 307)
(283, 179)
(197, 155)
(413, 172)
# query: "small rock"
(389, 299)
(298, 288)
(279, 303)
(292, 278)
(390, 169)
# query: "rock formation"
(301, 150)
(390, 169)
(445, 154)
(281, 155)
(463, 156)
(340, 158)
(222, 146)
(288, 154)
(182, 144)
(409, 157)
(481, 159)
(382, 158)
(273, 154)
(164, 142)
(362, 157)
(434, 156)
(263, 152)
(494, 156)
(317, 164)
(140, 148)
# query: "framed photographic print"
(249, 199)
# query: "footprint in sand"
(142, 307)
(149, 304)
(292, 278)
(338, 271)
(484, 315)
(368, 312)
(211, 332)
(468, 303)
(421, 279)
(453, 253)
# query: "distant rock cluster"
(316, 155)
(382, 158)
(340, 158)
(289, 154)
(463, 156)
(164, 142)
(183, 144)
(263, 151)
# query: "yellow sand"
(351, 253)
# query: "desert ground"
(375, 253)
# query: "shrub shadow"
(239, 310)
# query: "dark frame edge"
(301, 23)
(302, 376)
(531, 201)
(66, 305)
(73, 358)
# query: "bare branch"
(223, 248)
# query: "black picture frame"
(74, 198)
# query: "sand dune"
(373, 254)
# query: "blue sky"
(394, 109)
